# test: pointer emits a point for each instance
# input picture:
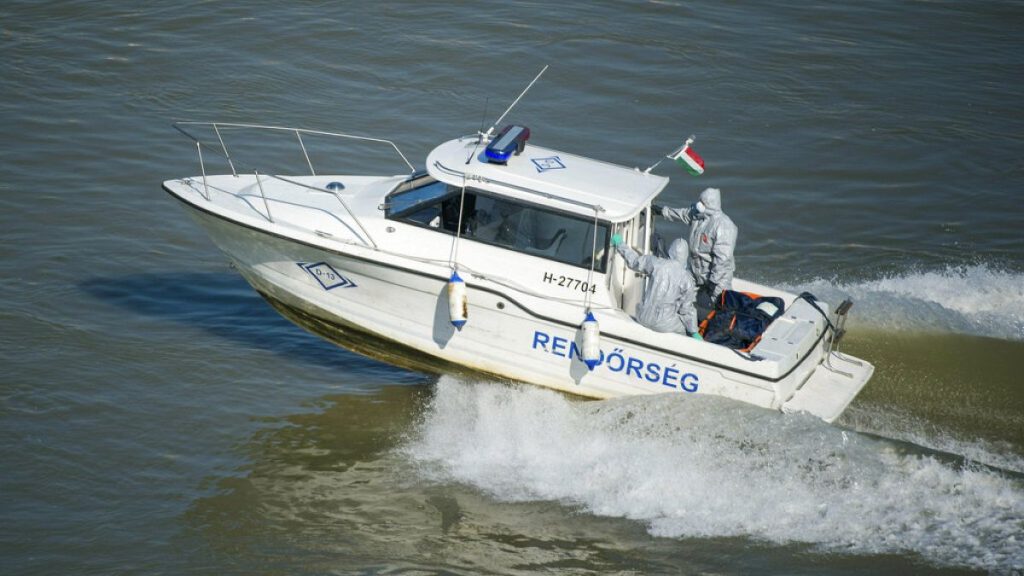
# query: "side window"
(534, 230)
(502, 222)
(429, 215)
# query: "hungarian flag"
(689, 159)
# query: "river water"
(157, 417)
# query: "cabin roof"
(548, 177)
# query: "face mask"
(699, 207)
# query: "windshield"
(420, 191)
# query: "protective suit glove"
(697, 336)
(616, 240)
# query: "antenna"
(483, 117)
(516, 101)
(480, 133)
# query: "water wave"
(896, 423)
(707, 467)
(978, 300)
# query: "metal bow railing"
(222, 150)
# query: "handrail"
(217, 125)
(298, 133)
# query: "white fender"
(591, 342)
(458, 305)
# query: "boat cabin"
(539, 202)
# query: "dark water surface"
(156, 416)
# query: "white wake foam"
(895, 423)
(699, 466)
(978, 300)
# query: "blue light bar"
(511, 139)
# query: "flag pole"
(673, 155)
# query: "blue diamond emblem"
(549, 163)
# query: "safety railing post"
(266, 206)
(304, 153)
(202, 167)
(225, 149)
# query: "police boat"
(497, 258)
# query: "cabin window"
(498, 221)
(426, 193)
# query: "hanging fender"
(458, 305)
(591, 341)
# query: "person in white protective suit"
(712, 243)
(667, 303)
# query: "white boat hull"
(399, 314)
(366, 261)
